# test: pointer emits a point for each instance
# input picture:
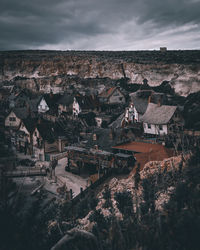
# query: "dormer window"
(12, 119)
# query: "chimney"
(111, 134)
(145, 81)
(159, 102)
(149, 99)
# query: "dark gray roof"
(104, 139)
(156, 114)
(66, 99)
(118, 122)
(140, 102)
(34, 103)
(21, 113)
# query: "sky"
(99, 24)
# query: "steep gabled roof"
(30, 123)
(87, 102)
(34, 103)
(46, 130)
(51, 99)
(140, 101)
(66, 99)
(156, 114)
(108, 92)
(21, 113)
(118, 122)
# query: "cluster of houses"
(44, 124)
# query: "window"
(149, 126)
(12, 119)
(160, 127)
(35, 133)
(94, 137)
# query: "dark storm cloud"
(93, 24)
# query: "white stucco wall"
(136, 115)
(98, 121)
(42, 106)
(76, 108)
(154, 130)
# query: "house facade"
(65, 104)
(45, 140)
(24, 139)
(85, 104)
(112, 96)
(42, 106)
(162, 119)
(76, 108)
(139, 103)
(12, 120)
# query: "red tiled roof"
(147, 152)
(108, 92)
(140, 147)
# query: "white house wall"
(76, 108)
(154, 130)
(136, 115)
(43, 107)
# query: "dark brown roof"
(140, 147)
(30, 123)
(87, 102)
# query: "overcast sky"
(99, 24)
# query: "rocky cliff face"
(39, 69)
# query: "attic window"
(12, 119)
